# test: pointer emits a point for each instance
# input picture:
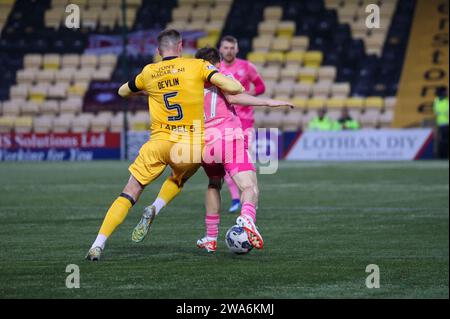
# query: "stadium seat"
(313, 59)
(321, 89)
(30, 108)
(270, 73)
(290, 72)
(62, 123)
(300, 43)
(262, 43)
(23, 124)
(267, 28)
(46, 76)
(327, 73)
(6, 123)
(58, 91)
(284, 88)
(308, 74)
(281, 44)
(19, 91)
(275, 58)
(49, 107)
(340, 90)
(335, 103)
(43, 124)
(300, 103)
(32, 61)
(107, 60)
(369, 118)
(101, 122)
(294, 58)
(65, 75)
(286, 29)
(386, 118)
(82, 123)
(257, 58)
(72, 105)
(51, 61)
(26, 76)
(70, 61)
(38, 92)
(273, 13)
(292, 121)
(12, 108)
(355, 103)
(374, 102)
(117, 123)
(315, 103)
(302, 90)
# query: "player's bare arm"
(246, 99)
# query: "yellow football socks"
(169, 190)
(115, 215)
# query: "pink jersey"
(246, 73)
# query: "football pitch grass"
(323, 223)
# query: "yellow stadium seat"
(374, 102)
(51, 61)
(23, 124)
(6, 124)
(299, 102)
(257, 58)
(315, 103)
(38, 92)
(307, 75)
(277, 58)
(313, 59)
(335, 103)
(294, 58)
(355, 103)
(286, 29)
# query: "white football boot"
(253, 234)
(208, 244)
(94, 254)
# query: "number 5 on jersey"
(171, 107)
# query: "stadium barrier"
(59, 146)
(269, 145)
(362, 145)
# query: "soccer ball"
(237, 241)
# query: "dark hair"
(211, 55)
(168, 38)
(229, 38)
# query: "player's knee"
(216, 183)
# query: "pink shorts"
(249, 130)
(225, 150)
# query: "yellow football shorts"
(155, 155)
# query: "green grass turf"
(322, 224)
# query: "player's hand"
(277, 103)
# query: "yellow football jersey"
(175, 88)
